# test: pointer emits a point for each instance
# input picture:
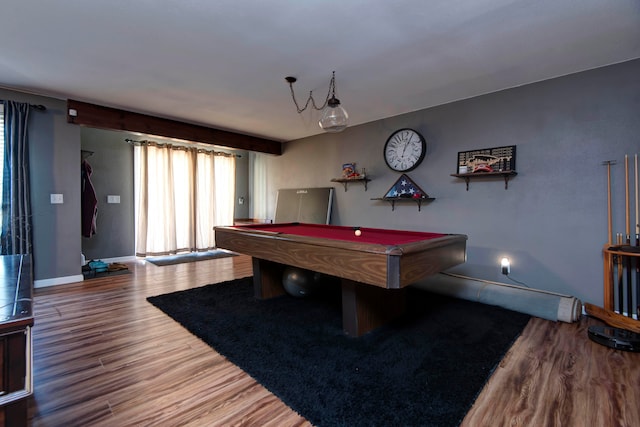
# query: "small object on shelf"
(357, 232)
(349, 171)
(351, 174)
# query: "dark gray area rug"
(426, 369)
(189, 257)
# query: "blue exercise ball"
(299, 282)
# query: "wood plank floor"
(104, 356)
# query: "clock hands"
(407, 142)
(401, 156)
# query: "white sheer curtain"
(258, 185)
(181, 194)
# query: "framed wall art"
(497, 159)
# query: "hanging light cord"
(330, 94)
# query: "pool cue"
(610, 230)
(620, 276)
(626, 196)
(637, 243)
(627, 258)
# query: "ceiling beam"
(97, 116)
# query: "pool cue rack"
(620, 273)
(621, 257)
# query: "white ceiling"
(222, 63)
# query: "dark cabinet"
(16, 320)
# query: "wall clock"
(404, 150)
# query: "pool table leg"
(267, 279)
(366, 307)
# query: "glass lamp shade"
(334, 117)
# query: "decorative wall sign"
(498, 159)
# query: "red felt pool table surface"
(334, 232)
(374, 267)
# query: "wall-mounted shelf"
(393, 200)
(504, 174)
(346, 181)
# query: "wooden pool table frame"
(373, 275)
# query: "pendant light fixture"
(334, 117)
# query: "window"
(181, 194)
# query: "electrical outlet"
(57, 199)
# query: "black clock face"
(404, 150)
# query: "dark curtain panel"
(16, 203)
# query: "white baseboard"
(118, 259)
(57, 281)
(77, 278)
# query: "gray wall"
(242, 185)
(552, 220)
(112, 166)
(54, 154)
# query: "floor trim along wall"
(119, 259)
(43, 283)
(57, 281)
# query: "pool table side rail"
(391, 267)
(417, 265)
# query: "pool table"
(374, 267)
